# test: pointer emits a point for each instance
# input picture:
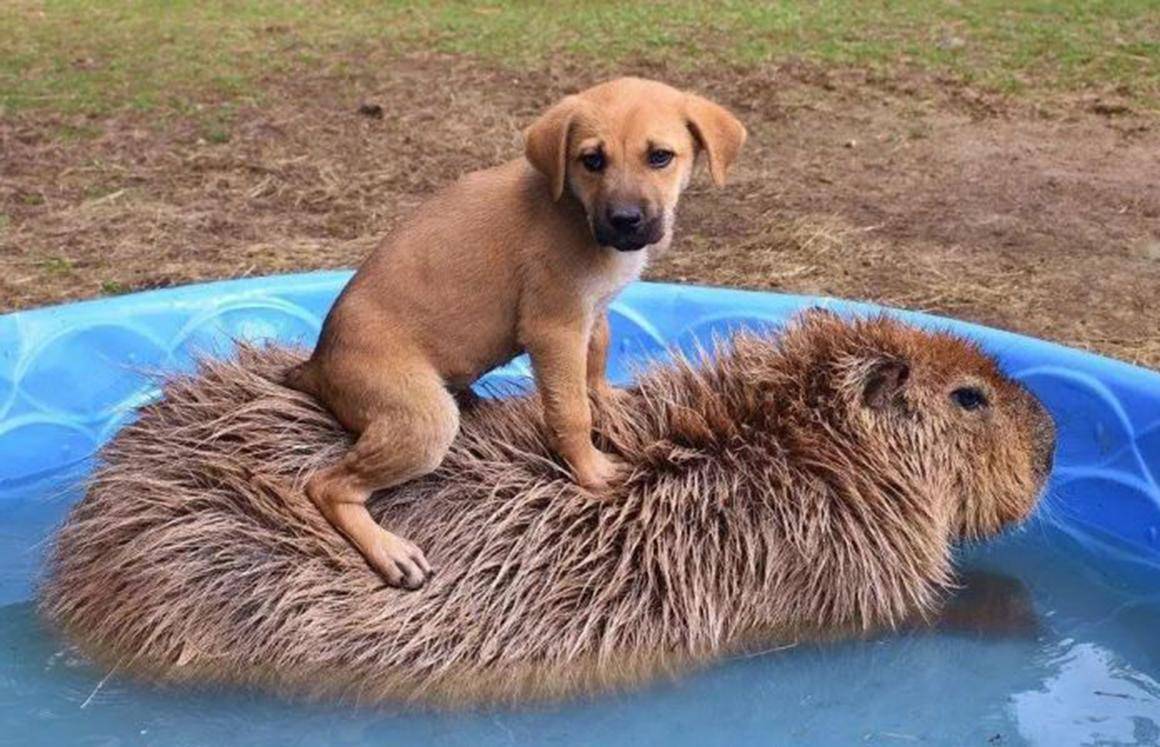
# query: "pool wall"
(71, 375)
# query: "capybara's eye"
(594, 161)
(969, 398)
(658, 159)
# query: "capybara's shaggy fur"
(804, 486)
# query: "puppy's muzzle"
(627, 228)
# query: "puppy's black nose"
(625, 218)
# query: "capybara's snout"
(1043, 438)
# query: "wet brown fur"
(776, 493)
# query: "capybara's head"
(625, 149)
(923, 408)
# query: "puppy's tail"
(302, 377)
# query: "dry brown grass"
(911, 190)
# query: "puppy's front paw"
(598, 470)
(400, 562)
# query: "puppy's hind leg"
(407, 434)
(302, 378)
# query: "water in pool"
(1075, 660)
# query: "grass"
(56, 265)
(81, 56)
(114, 288)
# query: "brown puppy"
(521, 257)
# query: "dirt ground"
(909, 190)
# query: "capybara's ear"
(546, 141)
(884, 382)
(718, 133)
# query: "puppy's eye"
(658, 159)
(593, 161)
(969, 398)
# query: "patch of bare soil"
(912, 191)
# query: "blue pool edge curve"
(71, 375)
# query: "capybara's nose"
(1047, 459)
(1044, 438)
(625, 218)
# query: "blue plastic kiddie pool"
(1087, 672)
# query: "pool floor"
(1075, 660)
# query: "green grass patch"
(55, 265)
(113, 288)
(89, 56)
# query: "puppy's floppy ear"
(718, 133)
(546, 141)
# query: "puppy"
(520, 257)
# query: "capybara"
(804, 485)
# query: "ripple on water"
(1085, 672)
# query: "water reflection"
(1052, 641)
(1092, 694)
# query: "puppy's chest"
(616, 271)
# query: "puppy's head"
(625, 149)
